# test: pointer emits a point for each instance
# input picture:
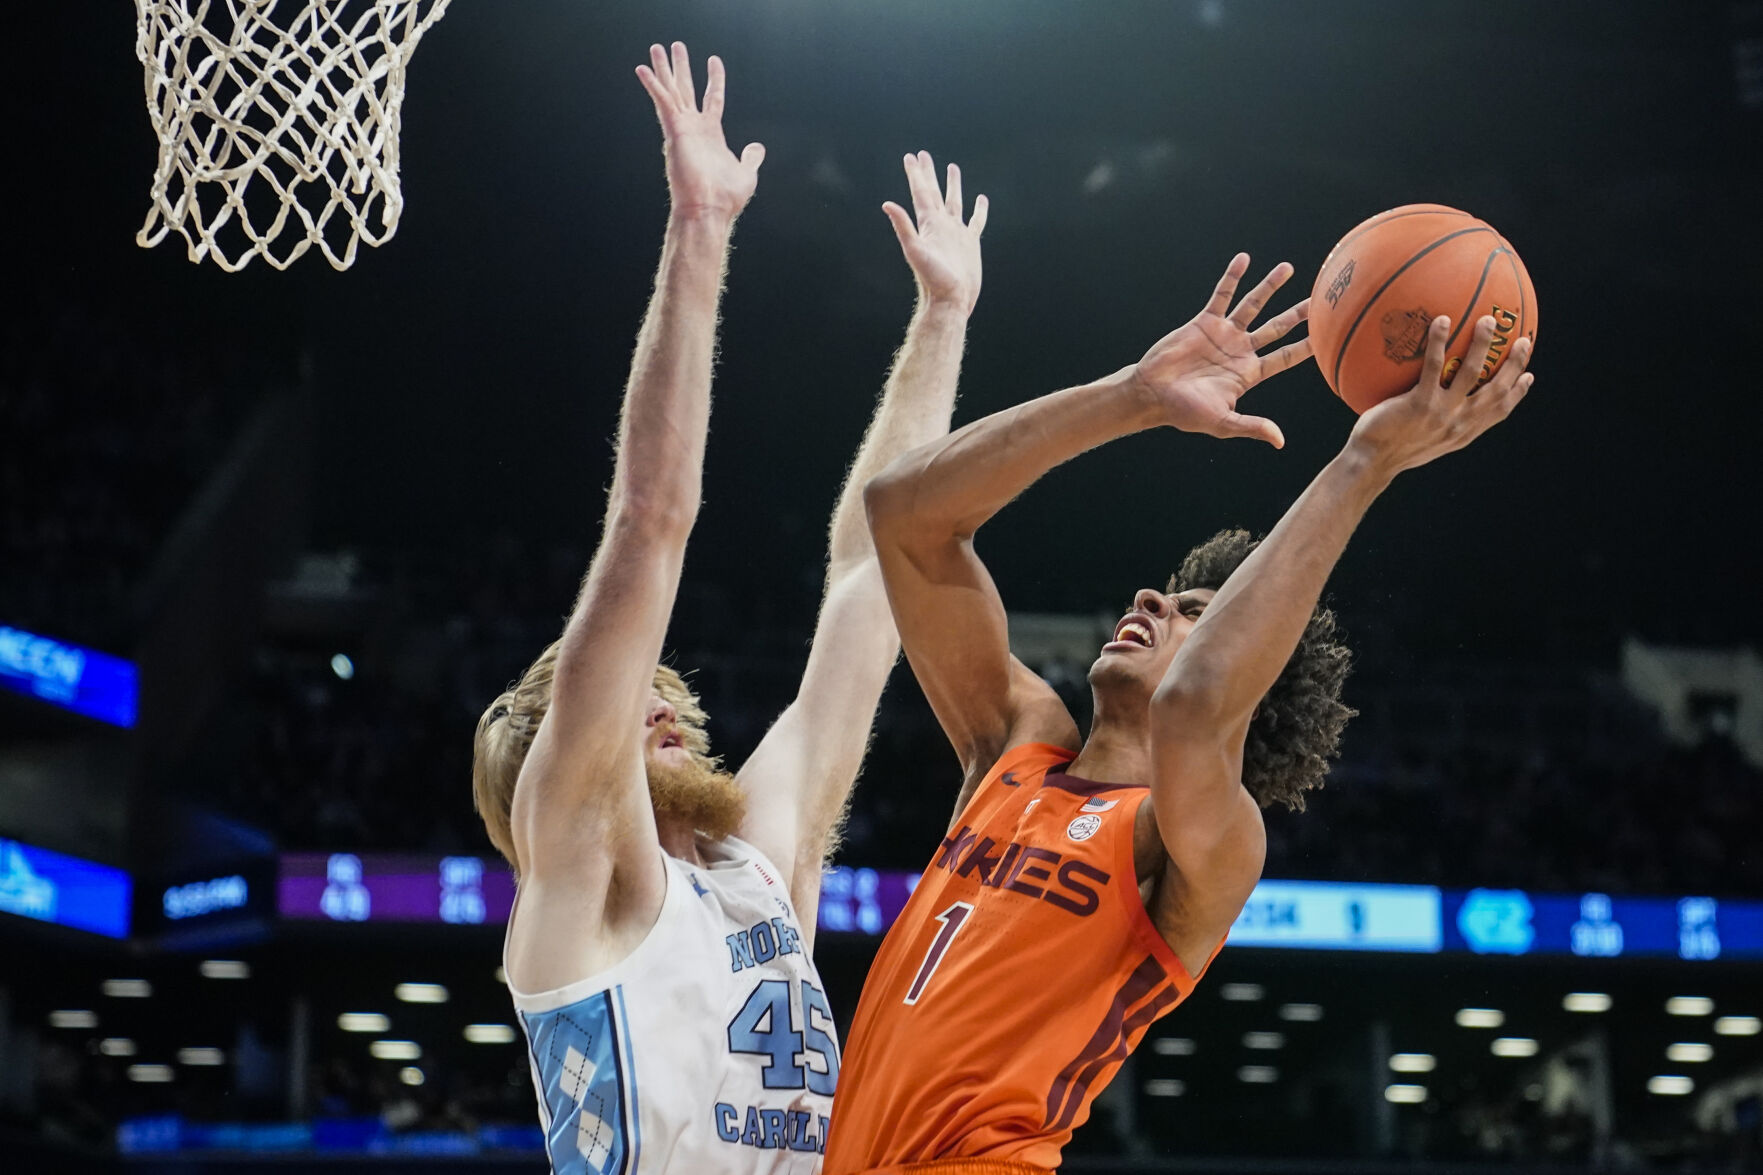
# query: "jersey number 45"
(766, 1026)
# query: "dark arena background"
(270, 541)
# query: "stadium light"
(1689, 1005)
(1258, 1074)
(127, 989)
(1738, 1026)
(225, 969)
(1513, 1046)
(342, 666)
(1264, 1040)
(411, 1075)
(1413, 1063)
(1586, 1001)
(1670, 1085)
(1243, 993)
(1302, 1013)
(1404, 1095)
(117, 1046)
(363, 1022)
(199, 1056)
(421, 993)
(73, 1018)
(1688, 1053)
(489, 1033)
(395, 1050)
(1480, 1017)
(151, 1074)
(1165, 1087)
(501, 975)
(1173, 1046)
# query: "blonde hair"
(506, 730)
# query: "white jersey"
(709, 1049)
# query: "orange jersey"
(1021, 973)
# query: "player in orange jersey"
(1085, 884)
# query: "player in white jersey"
(658, 952)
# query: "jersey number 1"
(952, 918)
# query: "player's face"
(1147, 637)
(663, 741)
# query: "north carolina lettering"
(761, 943)
(1072, 885)
(771, 1130)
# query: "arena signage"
(393, 887)
(1289, 915)
(79, 679)
(52, 887)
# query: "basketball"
(1386, 280)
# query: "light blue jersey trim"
(630, 1079)
(583, 1081)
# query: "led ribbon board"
(52, 887)
(393, 887)
(75, 678)
(1290, 915)
(1321, 915)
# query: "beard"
(698, 796)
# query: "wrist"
(708, 218)
(1365, 466)
(943, 310)
(1139, 402)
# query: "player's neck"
(1116, 751)
(680, 841)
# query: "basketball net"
(271, 126)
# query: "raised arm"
(926, 507)
(802, 772)
(1201, 711)
(582, 812)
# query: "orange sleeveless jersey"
(1022, 971)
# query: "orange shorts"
(961, 1167)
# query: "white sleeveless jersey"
(710, 1049)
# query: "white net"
(277, 123)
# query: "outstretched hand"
(943, 252)
(703, 175)
(1199, 370)
(1443, 413)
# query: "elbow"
(655, 515)
(1187, 699)
(887, 499)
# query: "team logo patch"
(1083, 828)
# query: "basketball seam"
(1388, 282)
(1380, 221)
(1457, 325)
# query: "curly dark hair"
(1296, 731)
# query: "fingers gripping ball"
(1391, 276)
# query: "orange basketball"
(1391, 276)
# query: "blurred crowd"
(107, 434)
(381, 758)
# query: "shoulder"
(1030, 759)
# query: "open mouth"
(671, 739)
(1134, 631)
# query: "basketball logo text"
(1338, 287)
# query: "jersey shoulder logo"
(1084, 827)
